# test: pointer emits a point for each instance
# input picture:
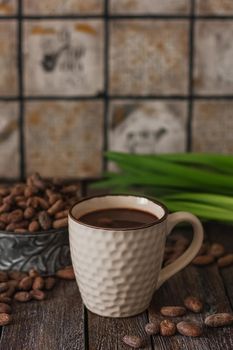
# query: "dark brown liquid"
(120, 218)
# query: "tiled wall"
(82, 76)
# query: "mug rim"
(163, 218)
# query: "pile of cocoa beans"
(163, 324)
(208, 253)
(23, 287)
(37, 205)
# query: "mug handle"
(190, 252)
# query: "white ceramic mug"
(118, 270)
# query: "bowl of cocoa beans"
(34, 224)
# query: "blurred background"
(82, 76)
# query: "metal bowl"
(45, 251)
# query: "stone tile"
(148, 126)
(214, 7)
(63, 57)
(213, 73)
(64, 139)
(212, 126)
(8, 7)
(9, 140)
(62, 7)
(150, 6)
(149, 57)
(8, 58)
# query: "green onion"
(188, 174)
(199, 183)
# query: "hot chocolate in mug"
(118, 270)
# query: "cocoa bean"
(33, 202)
(30, 191)
(5, 308)
(18, 190)
(44, 220)
(26, 283)
(22, 296)
(152, 328)
(4, 208)
(9, 292)
(38, 283)
(167, 328)
(33, 273)
(133, 341)
(3, 276)
(49, 192)
(29, 212)
(37, 294)
(5, 299)
(53, 197)
(29, 181)
(3, 286)
(42, 203)
(5, 319)
(38, 182)
(216, 250)
(189, 329)
(50, 283)
(203, 260)
(19, 199)
(9, 200)
(22, 204)
(34, 226)
(70, 189)
(20, 230)
(13, 283)
(193, 304)
(226, 260)
(219, 320)
(21, 224)
(62, 214)
(60, 223)
(66, 273)
(56, 207)
(17, 275)
(172, 311)
(15, 216)
(4, 191)
(4, 218)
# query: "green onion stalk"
(199, 183)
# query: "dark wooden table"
(62, 321)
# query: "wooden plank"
(224, 234)
(107, 333)
(205, 283)
(53, 324)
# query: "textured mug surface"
(117, 271)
